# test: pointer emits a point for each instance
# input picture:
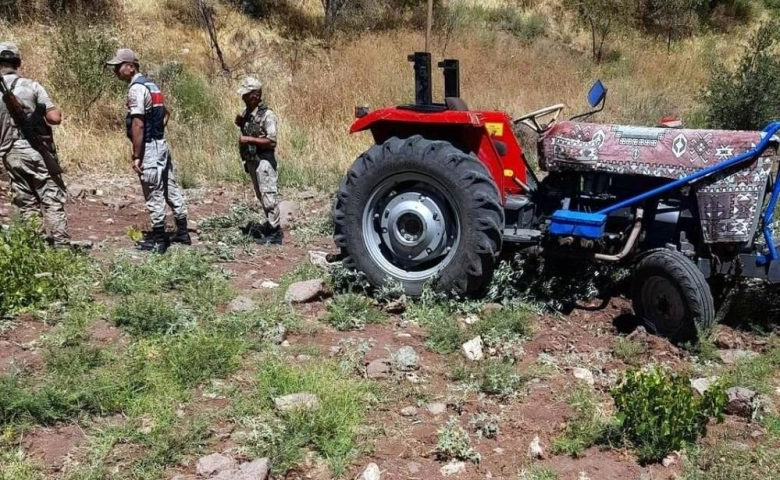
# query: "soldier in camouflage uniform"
(257, 146)
(33, 189)
(147, 117)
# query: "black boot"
(157, 241)
(181, 235)
(274, 236)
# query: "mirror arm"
(587, 114)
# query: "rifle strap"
(13, 84)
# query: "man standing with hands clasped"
(257, 145)
(147, 117)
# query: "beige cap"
(249, 84)
(123, 55)
(9, 50)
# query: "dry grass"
(314, 90)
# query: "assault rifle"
(43, 144)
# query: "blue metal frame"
(770, 130)
(588, 224)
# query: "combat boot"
(274, 236)
(181, 235)
(157, 241)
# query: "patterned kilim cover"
(729, 206)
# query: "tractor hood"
(410, 115)
(659, 152)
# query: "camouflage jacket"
(261, 122)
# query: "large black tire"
(671, 296)
(457, 189)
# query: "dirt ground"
(105, 210)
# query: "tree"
(600, 16)
(749, 97)
(671, 18)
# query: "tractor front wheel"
(413, 209)
(671, 296)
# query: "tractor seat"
(455, 103)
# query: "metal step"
(521, 235)
(516, 202)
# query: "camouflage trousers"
(159, 184)
(264, 180)
(34, 192)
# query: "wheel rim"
(411, 226)
(663, 306)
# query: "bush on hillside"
(31, 273)
(748, 97)
(82, 79)
(190, 96)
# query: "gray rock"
(535, 448)
(278, 333)
(413, 467)
(287, 212)
(396, 306)
(453, 468)
(405, 359)
(261, 284)
(473, 349)
(241, 304)
(409, 411)
(303, 400)
(740, 401)
(437, 408)
(301, 292)
(319, 259)
(701, 385)
(584, 374)
(730, 357)
(256, 469)
(668, 461)
(378, 368)
(370, 473)
(214, 463)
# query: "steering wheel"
(530, 119)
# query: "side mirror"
(596, 94)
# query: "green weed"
(143, 314)
(353, 312)
(628, 351)
(587, 427)
(331, 429)
(538, 473)
(454, 443)
(659, 413)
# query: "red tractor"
(444, 190)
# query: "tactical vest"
(254, 129)
(154, 118)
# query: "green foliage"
(185, 271)
(587, 427)
(192, 99)
(31, 273)
(513, 20)
(492, 376)
(497, 327)
(659, 412)
(331, 429)
(85, 48)
(454, 443)
(148, 314)
(748, 97)
(353, 312)
(538, 473)
(485, 425)
(628, 351)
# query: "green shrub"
(658, 411)
(352, 312)
(513, 20)
(144, 314)
(191, 99)
(454, 443)
(84, 48)
(749, 97)
(31, 273)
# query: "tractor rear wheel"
(671, 296)
(412, 209)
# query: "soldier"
(33, 189)
(147, 117)
(257, 145)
